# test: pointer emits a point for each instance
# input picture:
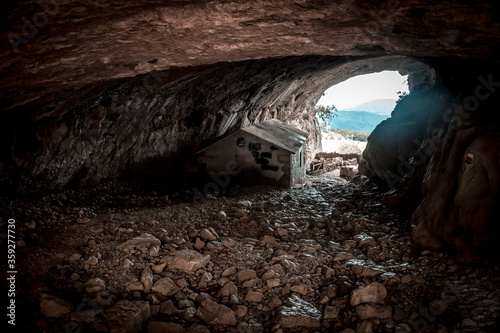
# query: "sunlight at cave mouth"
(359, 103)
(362, 89)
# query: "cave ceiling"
(60, 45)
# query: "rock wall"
(112, 88)
(460, 188)
(149, 124)
(445, 161)
(395, 141)
(56, 45)
(153, 123)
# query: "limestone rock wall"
(100, 89)
(396, 140)
(444, 163)
(460, 187)
(54, 45)
(155, 122)
(149, 124)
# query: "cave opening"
(105, 104)
(358, 101)
(359, 104)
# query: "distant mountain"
(378, 106)
(355, 120)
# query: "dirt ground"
(267, 247)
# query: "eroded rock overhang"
(107, 88)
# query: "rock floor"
(326, 257)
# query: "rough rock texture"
(312, 255)
(142, 242)
(368, 293)
(154, 123)
(216, 314)
(105, 89)
(409, 123)
(298, 313)
(160, 327)
(54, 307)
(372, 310)
(165, 287)
(187, 261)
(126, 316)
(445, 163)
(101, 40)
(461, 183)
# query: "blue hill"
(355, 120)
(380, 106)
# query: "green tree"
(325, 113)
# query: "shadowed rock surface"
(294, 263)
(92, 92)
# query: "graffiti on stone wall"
(262, 158)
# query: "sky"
(364, 88)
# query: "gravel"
(258, 259)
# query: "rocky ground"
(326, 257)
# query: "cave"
(109, 225)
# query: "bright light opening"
(365, 88)
(362, 102)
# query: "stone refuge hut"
(269, 152)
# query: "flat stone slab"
(187, 261)
(142, 241)
(216, 314)
(364, 268)
(298, 313)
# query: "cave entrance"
(349, 111)
(353, 108)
